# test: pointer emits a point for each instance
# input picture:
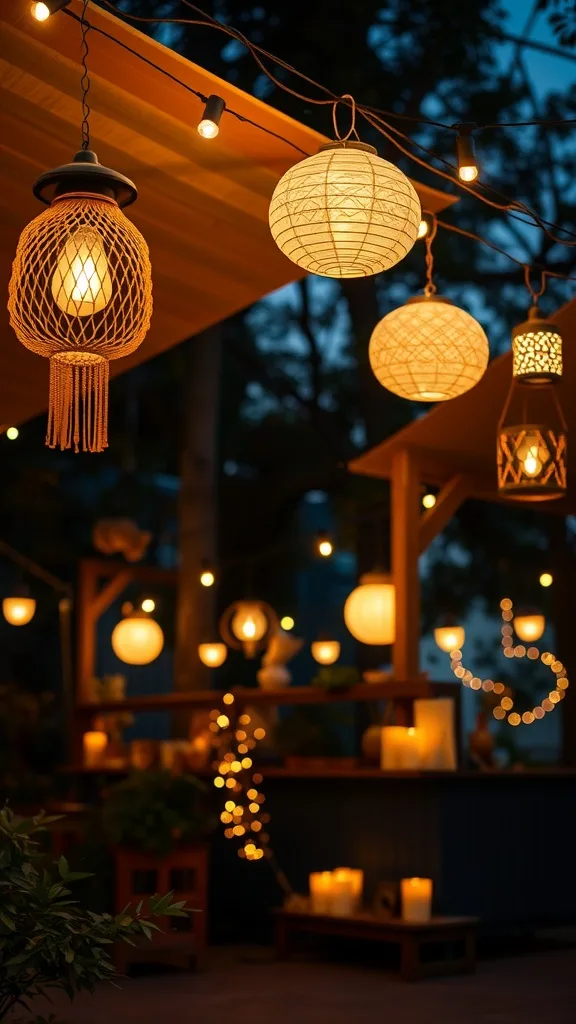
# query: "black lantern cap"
(85, 174)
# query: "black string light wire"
(85, 80)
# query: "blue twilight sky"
(548, 72)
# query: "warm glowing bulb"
(287, 622)
(532, 465)
(529, 627)
(325, 652)
(469, 172)
(546, 579)
(18, 611)
(81, 283)
(208, 129)
(450, 638)
(12, 433)
(249, 628)
(207, 578)
(429, 500)
(423, 229)
(325, 548)
(148, 604)
(213, 655)
(40, 11)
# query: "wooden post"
(405, 544)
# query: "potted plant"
(158, 825)
(48, 941)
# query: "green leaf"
(63, 867)
(69, 956)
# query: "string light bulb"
(207, 575)
(546, 579)
(287, 622)
(466, 152)
(209, 126)
(428, 500)
(12, 433)
(43, 10)
(426, 224)
(324, 545)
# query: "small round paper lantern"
(325, 652)
(450, 638)
(137, 639)
(428, 350)
(213, 654)
(529, 627)
(18, 611)
(345, 212)
(370, 610)
(81, 293)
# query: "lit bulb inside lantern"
(81, 283)
(213, 655)
(41, 12)
(249, 628)
(468, 172)
(532, 464)
(207, 578)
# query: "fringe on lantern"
(78, 408)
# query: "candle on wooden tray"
(94, 745)
(416, 899)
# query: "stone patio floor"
(240, 986)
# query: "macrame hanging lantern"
(428, 350)
(345, 212)
(81, 293)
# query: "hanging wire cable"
(85, 80)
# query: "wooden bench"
(456, 936)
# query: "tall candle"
(347, 887)
(400, 749)
(321, 892)
(94, 745)
(435, 729)
(416, 899)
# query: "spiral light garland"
(243, 819)
(505, 710)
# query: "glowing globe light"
(137, 639)
(428, 350)
(213, 654)
(529, 627)
(325, 652)
(450, 638)
(345, 212)
(18, 611)
(370, 610)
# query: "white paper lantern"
(345, 212)
(370, 610)
(428, 350)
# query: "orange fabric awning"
(203, 206)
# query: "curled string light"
(243, 815)
(504, 711)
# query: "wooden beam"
(405, 530)
(448, 502)
(101, 601)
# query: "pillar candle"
(321, 892)
(435, 729)
(416, 899)
(400, 749)
(94, 745)
(352, 892)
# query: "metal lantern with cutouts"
(81, 293)
(537, 350)
(531, 445)
(345, 212)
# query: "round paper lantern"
(370, 610)
(450, 638)
(213, 654)
(428, 350)
(345, 212)
(325, 652)
(137, 639)
(18, 611)
(81, 293)
(529, 627)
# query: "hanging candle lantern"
(529, 626)
(450, 638)
(18, 610)
(532, 445)
(345, 212)
(137, 639)
(370, 610)
(248, 625)
(536, 349)
(325, 651)
(81, 293)
(212, 654)
(428, 350)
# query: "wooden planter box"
(184, 872)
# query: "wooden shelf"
(248, 695)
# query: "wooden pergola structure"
(202, 207)
(453, 447)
